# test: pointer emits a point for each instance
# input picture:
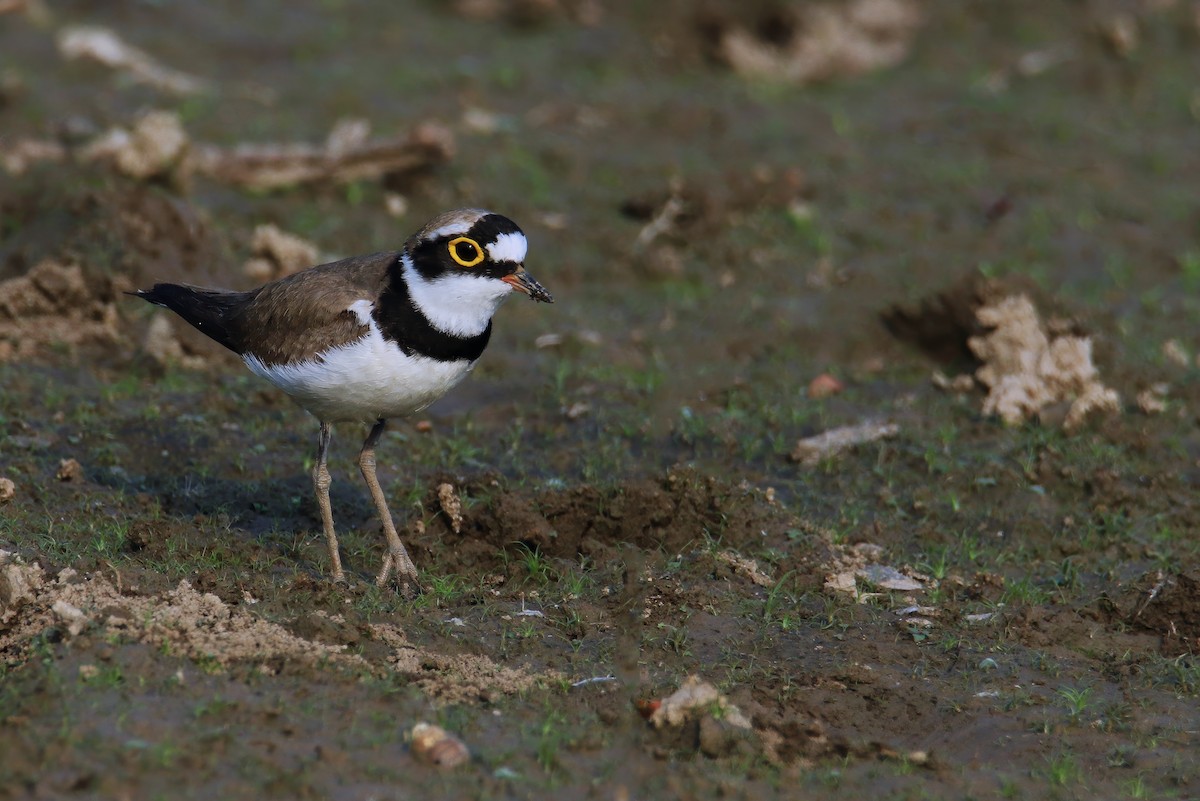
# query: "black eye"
(466, 251)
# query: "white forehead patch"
(508, 247)
(456, 228)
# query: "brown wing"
(295, 317)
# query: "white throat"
(460, 305)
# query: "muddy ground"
(729, 201)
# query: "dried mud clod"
(436, 746)
(276, 254)
(745, 567)
(812, 43)
(825, 386)
(54, 304)
(1153, 399)
(198, 625)
(852, 569)
(201, 626)
(459, 678)
(20, 584)
(69, 470)
(1031, 369)
(698, 717)
(153, 146)
(1027, 370)
(451, 505)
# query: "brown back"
(296, 317)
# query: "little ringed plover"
(371, 337)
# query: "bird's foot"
(405, 571)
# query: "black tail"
(210, 311)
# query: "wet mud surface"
(869, 399)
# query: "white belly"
(368, 380)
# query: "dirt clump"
(458, 678)
(69, 470)
(199, 625)
(74, 254)
(438, 747)
(1031, 369)
(862, 562)
(276, 254)
(697, 716)
(19, 584)
(1027, 369)
(813, 43)
(155, 145)
(1168, 605)
(669, 515)
(451, 506)
(53, 304)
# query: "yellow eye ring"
(467, 244)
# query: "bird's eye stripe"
(465, 251)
